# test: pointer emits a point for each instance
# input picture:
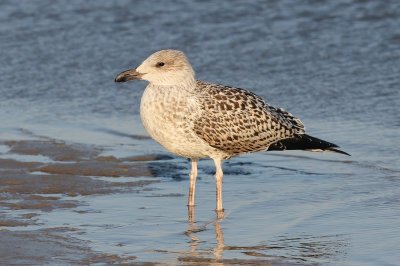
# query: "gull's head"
(165, 67)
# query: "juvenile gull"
(196, 119)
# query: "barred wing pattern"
(237, 121)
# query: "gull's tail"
(305, 142)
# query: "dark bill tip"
(121, 78)
(130, 74)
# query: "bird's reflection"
(311, 247)
(191, 232)
(219, 235)
(193, 229)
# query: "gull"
(196, 119)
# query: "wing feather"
(237, 121)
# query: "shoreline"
(44, 175)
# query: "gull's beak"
(130, 74)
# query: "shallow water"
(334, 64)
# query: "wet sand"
(52, 246)
(69, 170)
(65, 202)
(50, 175)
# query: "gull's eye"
(160, 64)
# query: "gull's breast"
(168, 115)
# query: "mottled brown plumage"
(196, 119)
(237, 121)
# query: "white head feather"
(167, 67)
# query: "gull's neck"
(187, 82)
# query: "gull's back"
(237, 121)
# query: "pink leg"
(193, 178)
(218, 180)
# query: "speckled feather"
(196, 119)
(213, 120)
(237, 121)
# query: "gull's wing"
(237, 121)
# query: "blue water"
(334, 64)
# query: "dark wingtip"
(305, 142)
(338, 151)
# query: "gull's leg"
(193, 178)
(191, 214)
(218, 180)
